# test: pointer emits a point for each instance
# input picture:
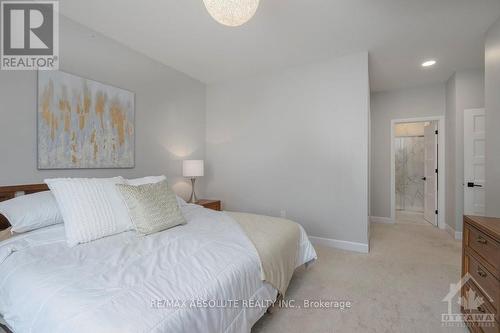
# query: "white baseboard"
(378, 219)
(449, 230)
(455, 234)
(340, 244)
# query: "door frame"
(441, 166)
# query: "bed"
(204, 276)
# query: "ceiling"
(398, 34)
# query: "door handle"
(471, 184)
(424, 178)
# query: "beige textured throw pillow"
(152, 207)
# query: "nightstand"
(210, 204)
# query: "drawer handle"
(481, 240)
(481, 273)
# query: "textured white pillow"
(92, 208)
(153, 207)
(145, 180)
(152, 180)
(31, 211)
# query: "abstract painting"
(83, 123)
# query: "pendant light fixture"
(231, 13)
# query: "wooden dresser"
(481, 259)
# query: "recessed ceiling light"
(429, 63)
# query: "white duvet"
(129, 283)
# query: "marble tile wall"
(409, 159)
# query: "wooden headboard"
(9, 192)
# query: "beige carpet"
(411, 217)
(397, 287)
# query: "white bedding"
(121, 283)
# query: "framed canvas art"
(83, 124)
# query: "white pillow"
(152, 180)
(152, 207)
(180, 201)
(145, 180)
(92, 208)
(31, 211)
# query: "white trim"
(455, 234)
(450, 230)
(340, 244)
(441, 167)
(378, 219)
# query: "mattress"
(200, 277)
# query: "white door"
(474, 158)
(430, 174)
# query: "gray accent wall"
(425, 101)
(295, 142)
(492, 93)
(169, 113)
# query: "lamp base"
(193, 198)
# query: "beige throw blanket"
(276, 241)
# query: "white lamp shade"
(192, 168)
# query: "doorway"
(417, 154)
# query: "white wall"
(450, 155)
(416, 102)
(464, 90)
(170, 110)
(295, 140)
(492, 93)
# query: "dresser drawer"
(484, 246)
(491, 326)
(484, 278)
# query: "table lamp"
(192, 169)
